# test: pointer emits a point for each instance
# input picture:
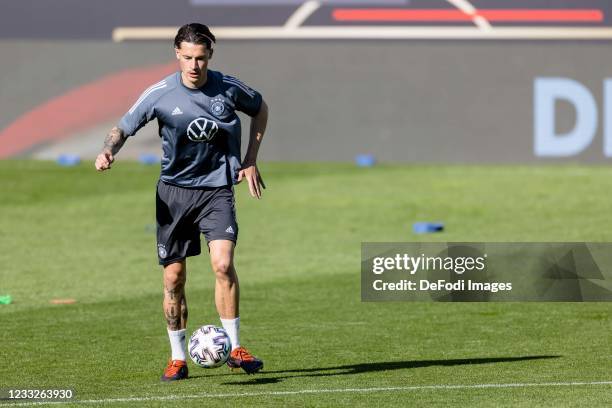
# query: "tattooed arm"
(112, 144)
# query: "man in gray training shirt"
(200, 133)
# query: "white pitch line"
(301, 14)
(375, 33)
(320, 391)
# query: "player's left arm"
(249, 169)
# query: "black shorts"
(183, 213)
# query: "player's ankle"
(177, 344)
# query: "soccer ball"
(209, 346)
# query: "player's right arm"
(139, 114)
(112, 144)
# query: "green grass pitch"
(73, 233)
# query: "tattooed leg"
(175, 304)
(184, 312)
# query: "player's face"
(193, 61)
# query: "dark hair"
(194, 33)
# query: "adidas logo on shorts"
(230, 230)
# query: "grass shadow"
(361, 368)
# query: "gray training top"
(199, 128)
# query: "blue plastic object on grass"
(427, 227)
(148, 158)
(365, 160)
(68, 159)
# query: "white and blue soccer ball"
(209, 346)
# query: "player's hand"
(104, 161)
(253, 178)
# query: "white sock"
(177, 343)
(232, 327)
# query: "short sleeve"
(245, 99)
(143, 110)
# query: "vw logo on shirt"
(202, 130)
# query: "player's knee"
(174, 275)
(173, 280)
(222, 267)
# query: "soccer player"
(200, 135)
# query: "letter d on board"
(607, 117)
(546, 142)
